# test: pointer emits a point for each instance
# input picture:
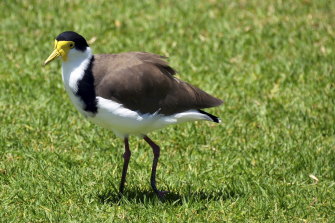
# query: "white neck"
(74, 67)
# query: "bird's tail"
(211, 117)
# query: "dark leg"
(156, 151)
(126, 157)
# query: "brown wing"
(144, 82)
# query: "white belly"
(124, 122)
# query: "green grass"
(271, 61)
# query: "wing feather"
(144, 82)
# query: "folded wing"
(144, 82)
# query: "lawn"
(272, 159)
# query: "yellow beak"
(61, 49)
(52, 56)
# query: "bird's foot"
(161, 194)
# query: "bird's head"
(67, 44)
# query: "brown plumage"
(144, 82)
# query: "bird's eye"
(71, 45)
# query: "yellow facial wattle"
(61, 49)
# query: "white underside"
(124, 122)
(112, 115)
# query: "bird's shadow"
(139, 196)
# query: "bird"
(129, 93)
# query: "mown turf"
(271, 160)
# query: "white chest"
(73, 71)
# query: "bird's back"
(144, 82)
